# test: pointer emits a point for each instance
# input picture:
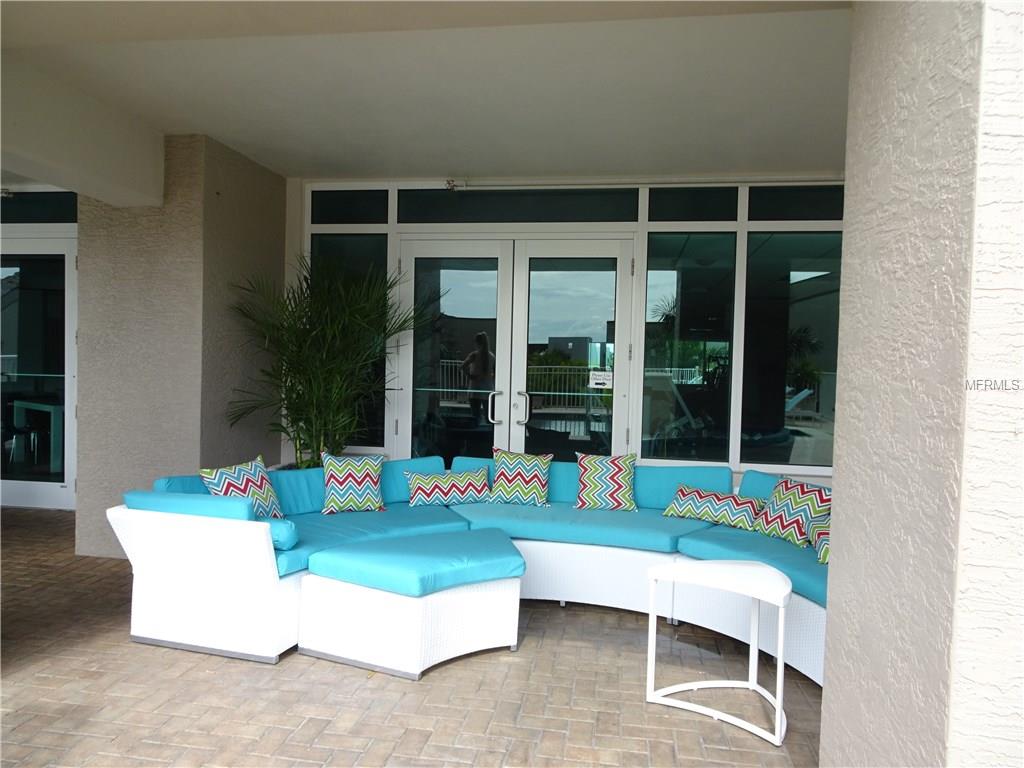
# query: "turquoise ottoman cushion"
(420, 565)
(721, 542)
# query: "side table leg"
(755, 641)
(652, 637)
(780, 664)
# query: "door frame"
(48, 240)
(512, 324)
(620, 249)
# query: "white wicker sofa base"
(241, 608)
(617, 578)
(402, 635)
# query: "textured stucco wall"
(986, 724)
(158, 352)
(243, 236)
(904, 306)
(139, 343)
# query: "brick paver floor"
(77, 692)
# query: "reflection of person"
(479, 369)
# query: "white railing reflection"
(553, 387)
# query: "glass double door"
(517, 347)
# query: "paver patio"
(77, 692)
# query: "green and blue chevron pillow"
(606, 482)
(248, 480)
(819, 535)
(792, 508)
(352, 483)
(726, 508)
(447, 487)
(520, 478)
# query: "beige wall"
(158, 352)
(912, 466)
(139, 343)
(243, 236)
(986, 708)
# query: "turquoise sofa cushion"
(301, 491)
(653, 487)
(720, 542)
(283, 533)
(317, 532)
(758, 485)
(229, 507)
(421, 565)
(639, 529)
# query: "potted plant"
(324, 341)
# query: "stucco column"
(923, 661)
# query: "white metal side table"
(759, 582)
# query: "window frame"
(640, 229)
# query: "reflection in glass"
(571, 334)
(353, 257)
(32, 367)
(789, 361)
(688, 346)
(454, 357)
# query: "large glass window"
(688, 345)
(790, 345)
(32, 367)
(516, 205)
(352, 257)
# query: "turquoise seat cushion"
(758, 485)
(229, 507)
(421, 565)
(720, 542)
(639, 529)
(301, 491)
(317, 532)
(653, 487)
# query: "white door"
(37, 372)
(520, 347)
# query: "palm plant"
(324, 341)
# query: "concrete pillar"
(923, 660)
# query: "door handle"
(490, 407)
(522, 422)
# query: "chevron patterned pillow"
(818, 533)
(727, 508)
(792, 508)
(249, 480)
(352, 483)
(448, 487)
(520, 478)
(606, 482)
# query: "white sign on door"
(600, 380)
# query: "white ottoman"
(403, 605)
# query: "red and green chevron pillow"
(447, 487)
(520, 478)
(819, 535)
(352, 483)
(606, 482)
(249, 480)
(727, 508)
(791, 510)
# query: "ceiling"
(474, 91)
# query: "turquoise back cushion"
(654, 487)
(302, 490)
(757, 485)
(231, 508)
